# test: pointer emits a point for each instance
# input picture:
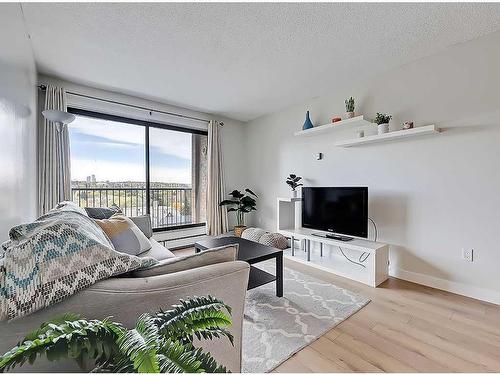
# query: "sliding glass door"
(177, 167)
(140, 166)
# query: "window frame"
(147, 125)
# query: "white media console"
(375, 255)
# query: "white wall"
(430, 197)
(17, 122)
(232, 131)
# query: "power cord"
(353, 261)
(374, 227)
(364, 256)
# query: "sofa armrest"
(125, 299)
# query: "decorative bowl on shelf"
(408, 125)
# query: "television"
(339, 210)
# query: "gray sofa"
(125, 298)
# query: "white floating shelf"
(391, 136)
(350, 123)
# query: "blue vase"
(307, 124)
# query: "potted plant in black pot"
(241, 204)
(293, 182)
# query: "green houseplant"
(382, 121)
(241, 204)
(349, 107)
(293, 182)
(161, 342)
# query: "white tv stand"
(375, 270)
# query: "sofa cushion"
(125, 235)
(157, 251)
(276, 240)
(102, 212)
(143, 222)
(205, 258)
(253, 234)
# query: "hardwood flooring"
(405, 328)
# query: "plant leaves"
(162, 342)
(251, 192)
(141, 344)
(202, 315)
(227, 202)
(176, 358)
(63, 340)
(236, 194)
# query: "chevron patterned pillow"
(56, 256)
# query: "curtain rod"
(44, 87)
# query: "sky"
(116, 152)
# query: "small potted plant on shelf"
(241, 204)
(382, 120)
(293, 182)
(349, 107)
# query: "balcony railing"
(169, 206)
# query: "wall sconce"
(58, 117)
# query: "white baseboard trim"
(487, 295)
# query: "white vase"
(383, 128)
(294, 193)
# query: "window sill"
(178, 227)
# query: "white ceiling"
(241, 60)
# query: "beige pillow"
(216, 255)
(124, 234)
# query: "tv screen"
(340, 210)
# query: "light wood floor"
(406, 328)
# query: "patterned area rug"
(276, 328)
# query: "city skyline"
(90, 180)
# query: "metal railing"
(169, 206)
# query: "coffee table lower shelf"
(258, 277)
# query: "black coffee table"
(251, 252)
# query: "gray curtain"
(216, 215)
(54, 180)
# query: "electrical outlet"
(468, 255)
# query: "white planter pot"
(294, 193)
(349, 114)
(383, 128)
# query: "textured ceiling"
(241, 60)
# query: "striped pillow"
(124, 234)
